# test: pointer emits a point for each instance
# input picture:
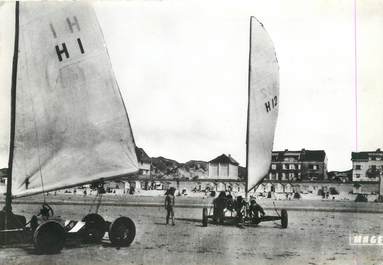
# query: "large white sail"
(263, 103)
(71, 126)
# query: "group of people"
(221, 203)
(239, 206)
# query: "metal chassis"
(233, 220)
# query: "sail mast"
(248, 115)
(8, 199)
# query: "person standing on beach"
(169, 205)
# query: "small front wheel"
(122, 231)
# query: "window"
(285, 166)
(299, 166)
(314, 167)
(357, 176)
(291, 166)
(291, 176)
(358, 167)
(273, 166)
(283, 176)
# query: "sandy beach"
(312, 237)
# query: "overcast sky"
(182, 67)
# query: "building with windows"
(303, 165)
(223, 167)
(367, 166)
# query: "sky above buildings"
(182, 67)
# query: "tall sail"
(263, 103)
(71, 126)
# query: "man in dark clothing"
(169, 205)
(219, 207)
(239, 206)
(254, 211)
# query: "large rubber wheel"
(284, 218)
(204, 217)
(122, 231)
(49, 237)
(95, 228)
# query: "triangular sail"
(71, 126)
(263, 103)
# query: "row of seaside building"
(306, 165)
(303, 171)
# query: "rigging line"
(93, 202)
(98, 203)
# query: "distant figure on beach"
(169, 205)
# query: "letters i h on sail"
(71, 126)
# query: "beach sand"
(312, 237)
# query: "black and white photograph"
(191, 132)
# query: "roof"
(301, 155)
(315, 155)
(345, 173)
(142, 156)
(365, 155)
(359, 156)
(224, 159)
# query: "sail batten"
(71, 125)
(263, 103)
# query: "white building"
(223, 167)
(367, 166)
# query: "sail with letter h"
(263, 103)
(70, 125)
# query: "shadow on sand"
(230, 223)
(30, 250)
(160, 223)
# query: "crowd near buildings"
(301, 171)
